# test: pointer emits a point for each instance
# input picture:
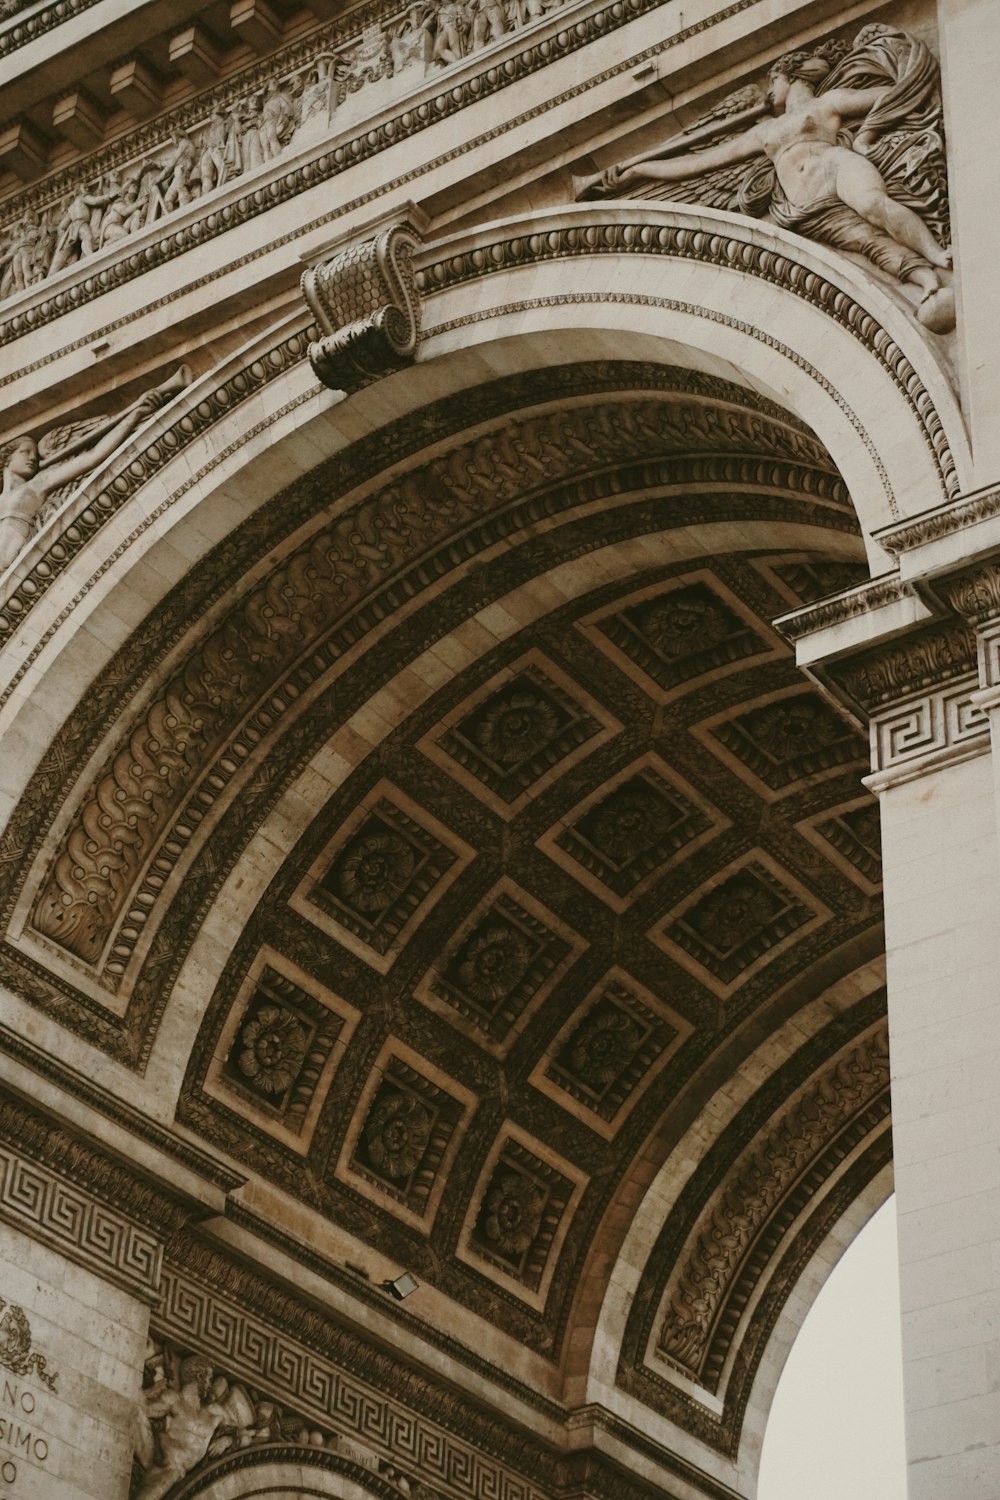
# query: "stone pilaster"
(921, 665)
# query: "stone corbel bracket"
(366, 302)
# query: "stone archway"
(293, 878)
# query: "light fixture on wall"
(401, 1286)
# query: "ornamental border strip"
(726, 248)
(369, 143)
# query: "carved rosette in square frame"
(279, 1046)
(614, 1045)
(778, 742)
(518, 732)
(499, 966)
(618, 841)
(377, 875)
(738, 922)
(406, 1129)
(519, 1214)
(668, 635)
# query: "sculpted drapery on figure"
(852, 155)
(37, 475)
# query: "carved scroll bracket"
(365, 299)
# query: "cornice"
(268, 191)
(943, 521)
(839, 608)
(186, 1154)
(82, 1202)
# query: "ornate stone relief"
(704, 1279)
(876, 188)
(85, 897)
(17, 1351)
(366, 303)
(193, 1413)
(35, 477)
(296, 99)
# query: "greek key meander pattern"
(248, 1346)
(40, 1203)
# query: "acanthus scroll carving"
(90, 885)
(730, 1225)
(367, 304)
(846, 147)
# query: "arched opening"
(449, 843)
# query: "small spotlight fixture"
(401, 1286)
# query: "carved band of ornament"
(142, 467)
(47, 1207)
(750, 1197)
(943, 522)
(269, 1339)
(366, 303)
(937, 655)
(182, 751)
(974, 593)
(160, 170)
(846, 606)
(930, 727)
(204, 1164)
(617, 236)
(237, 1420)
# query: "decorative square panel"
(624, 835)
(609, 1051)
(378, 873)
(855, 833)
(795, 737)
(519, 1214)
(740, 922)
(500, 964)
(278, 1047)
(526, 726)
(667, 636)
(404, 1133)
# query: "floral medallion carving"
(377, 874)
(513, 737)
(625, 834)
(280, 1041)
(519, 1213)
(740, 921)
(673, 636)
(500, 965)
(609, 1051)
(793, 739)
(405, 1133)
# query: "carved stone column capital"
(366, 302)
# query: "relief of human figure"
(819, 185)
(75, 232)
(212, 166)
(277, 120)
(20, 261)
(34, 474)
